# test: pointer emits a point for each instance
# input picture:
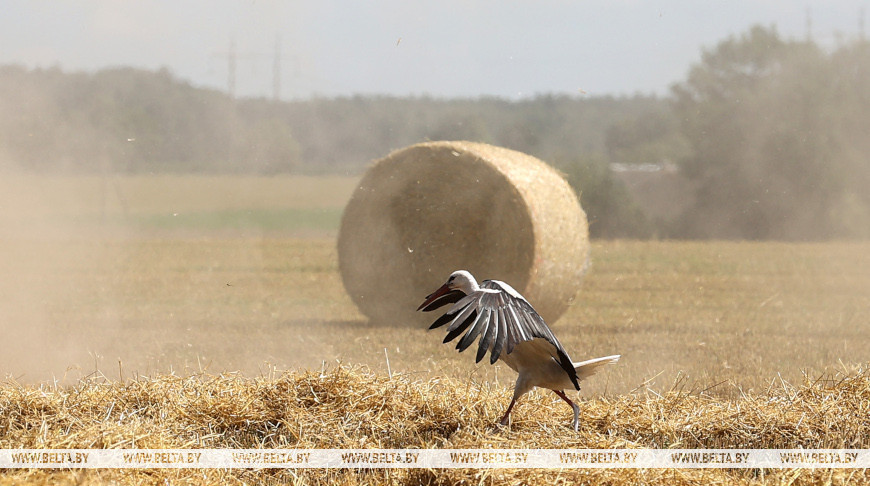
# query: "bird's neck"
(470, 286)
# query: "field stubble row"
(733, 315)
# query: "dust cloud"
(38, 247)
(88, 289)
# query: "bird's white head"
(460, 281)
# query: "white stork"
(511, 329)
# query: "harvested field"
(122, 331)
(137, 206)
(727, 315)
(353, 408)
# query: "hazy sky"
(442, 48)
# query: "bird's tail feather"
(587, 368)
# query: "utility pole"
(231, 70)
(276, 70)
(233, 57)
(809, 25)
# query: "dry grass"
(732, 313)
(353, 408)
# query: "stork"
(512, 331)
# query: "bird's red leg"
(574, 407)
(507, 414)
(564, 397)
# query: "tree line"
(767, 136)
(131, 120)
(778, 139)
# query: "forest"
(765, 138)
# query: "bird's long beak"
(434, 295)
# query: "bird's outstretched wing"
(502, 318)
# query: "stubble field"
(111, 284)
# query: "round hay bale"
(432, 208)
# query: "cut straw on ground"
(350, 408)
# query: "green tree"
(609, 208)
(268, 147)
(761, 119)
(651, 137)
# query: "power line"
(861, 13)
(232, 57)
(809, 24)
(276, 70)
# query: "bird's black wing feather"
(526, 324)
(502, 318)
(461, 327)
(442, 320)
(479, 324)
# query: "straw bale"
(432, 208)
